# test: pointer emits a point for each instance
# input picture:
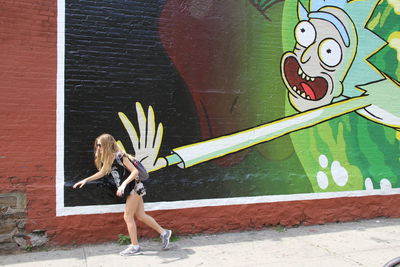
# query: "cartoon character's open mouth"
(310, 88)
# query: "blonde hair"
(105, 158)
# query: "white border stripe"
(60, 109)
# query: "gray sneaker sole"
(131, 254)
(122, 253)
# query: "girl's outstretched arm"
(95, 176)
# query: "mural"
(254, 101)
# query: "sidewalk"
(363, 243)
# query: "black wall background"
(113, 58)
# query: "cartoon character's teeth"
(308, 97)
(303, 95)
(296, 90)
(299, 72)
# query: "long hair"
(105, 157)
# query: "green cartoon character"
(326, 44)
(329, 61)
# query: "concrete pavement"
(362, 243)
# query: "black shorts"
(138, 189)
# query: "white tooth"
(299, 92)
(299, 72)
(303, 95)
(303, 75)
(308, 97)
(307, 78)
(294, 88)
(312, 79)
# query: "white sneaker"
(130, 251)
(165, 239)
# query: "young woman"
(108, 156)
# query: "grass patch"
(280, 228)
(124, 239)
(31, 248)
(175, 236)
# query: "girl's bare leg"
(147, 219)
(131, 207)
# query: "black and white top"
(119, 173)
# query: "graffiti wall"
(230, 102)
(247, 113)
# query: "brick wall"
(27, 92)
(28, 56)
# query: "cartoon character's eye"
(330, 52)
(305, 33)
